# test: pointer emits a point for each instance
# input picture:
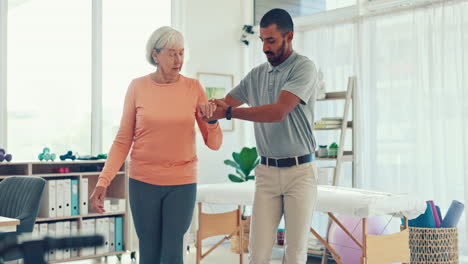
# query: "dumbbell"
(102, 156)
(46, 155)
(69, 155)
(61, 170)
(4, 156)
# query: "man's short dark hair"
(280, 17)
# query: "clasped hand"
(213, 110)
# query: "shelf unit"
(349, 96)
(77, 170)
(350, 99)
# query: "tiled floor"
(222, 255)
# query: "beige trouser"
(290, 191)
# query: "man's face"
(275, 43)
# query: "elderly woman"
(159, 116)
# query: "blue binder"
(119, 233)
(75, 206)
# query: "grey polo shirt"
(262, 85)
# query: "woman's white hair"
(163, 37)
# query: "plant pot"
(235, 239)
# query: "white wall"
(212, 31)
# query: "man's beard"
(277, 58)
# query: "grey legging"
(162, 215)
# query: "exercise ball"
(347, 249)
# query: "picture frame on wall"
(216, 86)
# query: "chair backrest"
(20, 197)
(218, 224)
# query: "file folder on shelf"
(66, 197)
(47, 207)
(75, 203)
(84, 196)
(119, 233)
(59, 198)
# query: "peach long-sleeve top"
(159, 120)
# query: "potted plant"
(244, 163)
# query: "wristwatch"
(229, 113)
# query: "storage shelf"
(347, 157)
(62, 162)
(49, 219)
(4, 176)
(70, 174)
(103, 214)
(88, 257)
(334, 96)
(349, 126)
(85, 172)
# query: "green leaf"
(256, 163)
(251, 177)
(248, 156)
(236, 157)
(241, 173)
(235, 178)
(232, 164)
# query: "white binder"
(67, 197)
(59, 234)
(111, 246)
(88, 228)
(102, 228)
(43, 231)
(92, 230)
(35, 232)
(74, 232)
(83, 196)
(66, 233)
(47, 208)
(59, 198)
(52, 232)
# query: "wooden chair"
(209, 225)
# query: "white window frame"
(340, 15)
(3, 74)
(177, 17)
(362, 8)
(96, 85)
(96, 78)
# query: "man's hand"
(220, 103)
(205, 110)
(220, 111)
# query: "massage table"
(331, 200)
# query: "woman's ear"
(154, 55)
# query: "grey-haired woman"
(158, 125)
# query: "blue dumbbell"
(68, 155)
(5, 156)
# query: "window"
(49, 77)
(126, 26)
(298, 8)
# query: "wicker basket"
(235, 239)
(433, 245)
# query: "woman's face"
(169, 60)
